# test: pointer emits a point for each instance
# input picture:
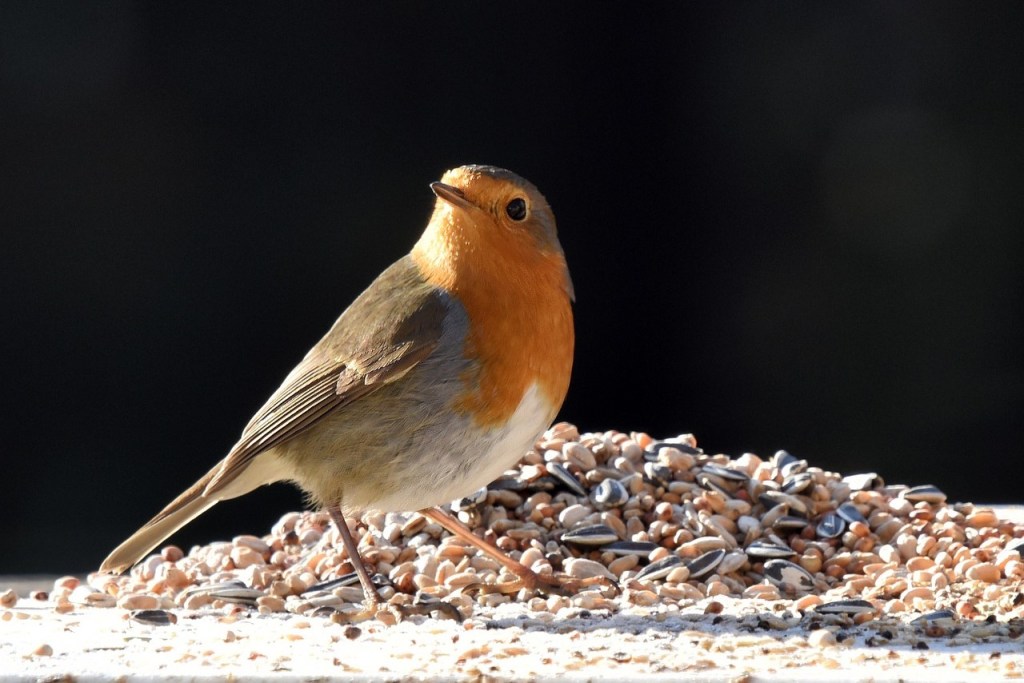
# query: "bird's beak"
(452, 195)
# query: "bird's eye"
(516, 209)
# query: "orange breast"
(516, 298)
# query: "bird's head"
(487, 217)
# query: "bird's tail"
(186, 507)
(180, 512)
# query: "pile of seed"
(663, 522)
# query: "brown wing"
(387, 331)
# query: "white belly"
(468, 458)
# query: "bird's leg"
(372, 600)
(527, 577)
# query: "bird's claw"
(391, 613)
(562, 585)
(567, 586)
(371, 608)
(426, 607)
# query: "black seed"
(154, 617)
(850, 513)
(766, 549)
(507, 484)
(724, 472)
(608, 494)
(654, 447)
(794, 467)
(660, 569)
(784, 573)
(641, 548)
(712, 483)
(598, 534)
(565, 477)
(783, 458)
(845, 607)
(830, 526)
(471, 501)
(790, 522)
(659, 475)
(925, 493)
(705, 563)
(797, 483)
(942, 617)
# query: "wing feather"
(392, 327)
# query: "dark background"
(790, 226)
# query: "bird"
(440, 376)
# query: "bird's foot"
(426, 606)
(553, 584)
(390, 614)
(371, 608)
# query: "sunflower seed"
(564, 476)
(154, 617)
(845, 607)
(660, 569)
(943, 617)
(724, 472)
(546, 483)
(830, 526)
(766, 549)
(863, 482)
(641, 548)
(712, 483)
(797, 483)
(609, 494)
(229, 591)
(790, 522)
(651, 452)
(788, 464)
(471, 501)
(893, 490)
(705, 563)
(657, 474)
(783, 458)
(350, 579)
(788, 576)
(794, 467)
(507, 484)
(850, 513)
(779, 498)
(597, 534)
(925, 493)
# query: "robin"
(436, 379)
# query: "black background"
(789, 225)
